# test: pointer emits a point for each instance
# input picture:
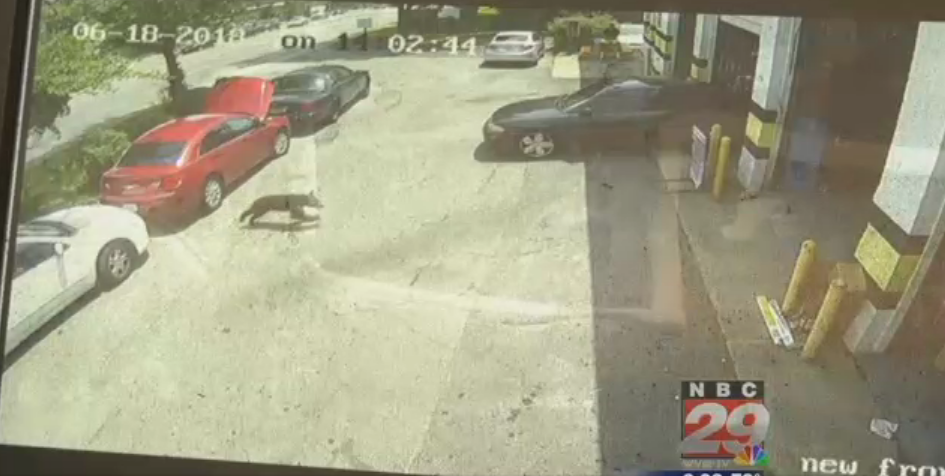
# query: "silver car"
(515, 47)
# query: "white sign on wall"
(700, 155)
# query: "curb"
(774, 469)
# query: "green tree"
(68, 64)
(172, 16)
(295, 9)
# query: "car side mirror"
(59, 248)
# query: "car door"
(619, 113)
(217, 155)
(679, 108)
(343, 78)
(244, 140)
(36, 290)
(78, 267)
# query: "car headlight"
(494, 128)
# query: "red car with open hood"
(187, 164)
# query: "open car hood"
(251, 96)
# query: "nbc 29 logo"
(724, 420)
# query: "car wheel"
(213, 190)
(280, 146)
(115, 263)
(536, 144)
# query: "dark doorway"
(849, 80)
(736, 56)
(685, 36)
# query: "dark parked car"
(254, 27)
(318, 94)
(599, 112)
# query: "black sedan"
(600, 112)
(318, 94)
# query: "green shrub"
(589, 26)
(72, 176)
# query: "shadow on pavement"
(506, 65)
(53, 324)
(180, 223)
(328, 51)
(194, 101)
(653, 322)
(625, 147)
(484, 153)
(295, 226)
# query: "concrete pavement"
(451, 314)
(746, 248)
(364, 319)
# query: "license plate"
(130, 207)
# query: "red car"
(187, 164)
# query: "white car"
(631, 34)
(297, 22)
(65, 254)
(515, 47)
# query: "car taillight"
(171, 183)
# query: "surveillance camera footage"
(457, 239)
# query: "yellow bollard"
(825, 319)
(715, 135)
(802, 272)
(725, 147)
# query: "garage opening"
(849, 80)
(736, 55)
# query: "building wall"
(908, 198)
(659, 33)
(770, 94)
(913, 182)
(754, 24)
(703, 47)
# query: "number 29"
(734, 424)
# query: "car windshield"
(300, 82)
(153, 153)
(580, 95)
(466, 240)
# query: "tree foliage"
(67, 66)
(170, 17)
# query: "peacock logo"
(752, 456)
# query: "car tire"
(281, 144)
(115, 262)
(536, 144)
(212, 193)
